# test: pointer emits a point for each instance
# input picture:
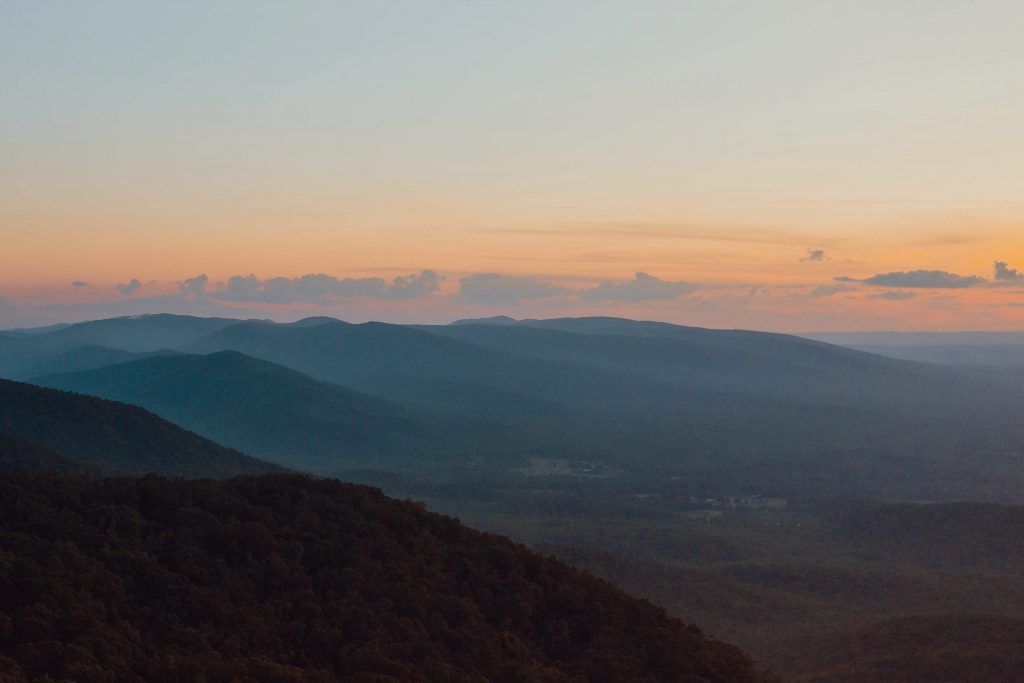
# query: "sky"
(789, 166)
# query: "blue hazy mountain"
(270, 411)
(998, 350)
(766, 410)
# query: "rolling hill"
(61, 348)
(115, 436)
(270, 411)
(754, 411)
(768, 412)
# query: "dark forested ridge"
(286, 578)
(22, 455)
(115, 436)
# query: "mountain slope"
(267, 410)
(290, 418)
(747, 410)
(403, 363)
(285, 578)
(753, 411)
(22, 455)
(86, 357)
(115, 436)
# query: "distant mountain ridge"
(717, 407)
(958, 349)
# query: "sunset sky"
(791, 166)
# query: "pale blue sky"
(159, 140)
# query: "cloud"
(78, 284)
(320, 288)
(496, 290)
(414, 286)
(924, 279)
(1004, 273)
(815, 255)
(130, 288)
(897, 295)
(642, 287)
(829, 290)
(242, 288)
(194, 286)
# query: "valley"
(794, 498)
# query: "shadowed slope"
(267, 410)
(290, 579)
(22, 455)
(115, 436)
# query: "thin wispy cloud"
(829, 290)
(815, 255)
(79, 284)
(726, 233)
(896, 295)
(321, 288)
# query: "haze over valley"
(758, 484)
(525, 342)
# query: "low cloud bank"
(492, 289)
(130, 288)
(495, 290)
(642, 287)
(316, 288)
(924, 279)
(1004, 273)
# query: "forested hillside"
(286, 578)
